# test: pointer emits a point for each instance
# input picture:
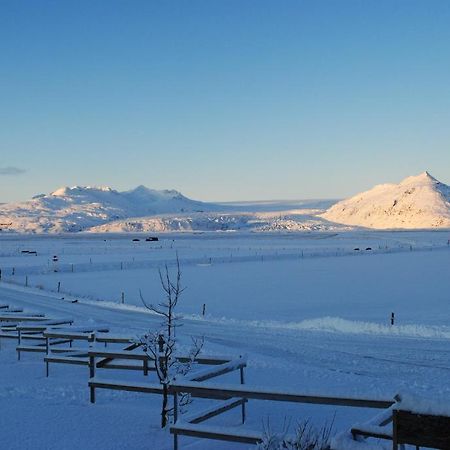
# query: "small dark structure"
(369, 248)
(136, 240)
(356, 249)
(422, 430)
(152, 239)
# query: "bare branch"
(162, 345)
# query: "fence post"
(19, 342)
(241, 369)
(47, 351)
(92, 375)
(394, 430)
(145, 366)
(59, 286)
(175, 418)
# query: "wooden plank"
(21, 318)
(12, 312)
(42, 348)
(9, 335)
(217, 433)
(31, 348)
(127, 354)
(114, 339)
(8, 326)
(375, 427)
(88, 336)
(119, 366)
(372, 433)
(208, 361)
(130, 347)
(42, 326)
(120, 385)
(422, 430)
(209, 413)
(228, 391)
(32, 337)
(111, 354)
(60, 341)
(70, 351)
(216, 373)
(67, 360)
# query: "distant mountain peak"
(419, 201)
(74, 190)
(79, 208)
(141, 187)
(424, 177)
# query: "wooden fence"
(234, 395)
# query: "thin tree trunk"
(164, 411)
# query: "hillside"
(274, 221)
(417, 202)
(103, 209)
(82, 207)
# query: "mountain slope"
(81, 207)
(276, 221)
(417, 202)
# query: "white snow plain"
(310, 312)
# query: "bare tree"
(161, 345)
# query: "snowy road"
(382, 358)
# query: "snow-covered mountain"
(275, 221)
(82, 207)
(417, 202)
(102, 209)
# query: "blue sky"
(223, 100)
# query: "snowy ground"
(310, 312)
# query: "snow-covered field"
(310, 311)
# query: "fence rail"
(202, 390)
(242, 393)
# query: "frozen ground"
(316, 323)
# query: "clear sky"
(223, 100)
